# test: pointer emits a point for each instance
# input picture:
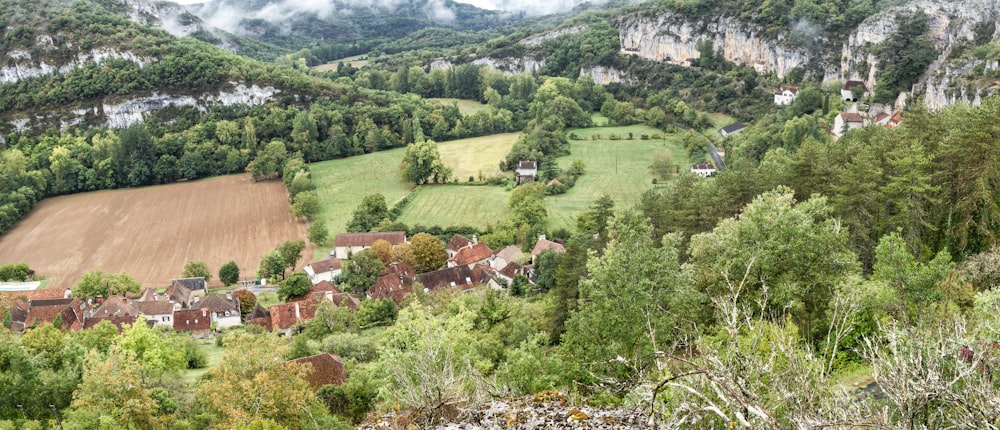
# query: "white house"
(526, 171)
(704, 170)
(224, 309)
(847, 121)
(346, 244)
(158, 310)
(785, 95)
(323, 270)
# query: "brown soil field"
(152, 232)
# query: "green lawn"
(191, 376)
(477, 155)
(619, 168)
(455, 205)
(466, 107)
(357, 61)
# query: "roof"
(367, 239)
(192, 284)
(118, 322)
(455, 277)
(288, 314)
(46, 311)
(345, 299)
(178, 292)
(399, 268)
(734, 127)
(509, 253)
(148, 295)
(260, 316)
(703, 166)
(117, 306)
(782, 88)
(470, 254)
(161, 307)
(220, 303)
(554, 181)
(527, 164)
(852, 117)
(192, 320)
(880, 117)
(513, 269)
(324, 266)
(47, 293)
(324, 369)
(544, 244)
(851, 84)
(393, 286)
(457, 242)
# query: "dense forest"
(755, 298)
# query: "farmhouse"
(526, 171)
(184, 292)
(224, 309)
(731, 129)
(196, 321)
(847, 121)
(324, 369)
(785, 95)
(323, 270)
(847, 91)
(704, 170)
(543, 245)
(346, 244)
(511, 270)
(159, 312)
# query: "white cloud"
(437, 8)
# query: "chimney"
(541, 238)
(100, 300)
(475, 239)
(298, 315)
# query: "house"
(525, 172)
(461, 277)
(160, 312)
(704, 170)
(895, 120)
(731, 129)
(68, 311)
(512, 269)
(395, 282)
(847, 91)
(543, 245)
(323, 270)
(329, 292)
(505, 256)
(457, 242)
(185, 292)
(881, 119)
(43, 294)
(785, 95)
(224, 309)
(196, 321)
(323, 369)
(471, 254)
(116, 306)
(346, 244)
(148, 295)
(286, 316)
(847, 121)
(260, 316)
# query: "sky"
(531, 6)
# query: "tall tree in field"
(229, 273)
(422, 164)
(318, 233)
(369, 214)
(197, 269)
(428, 252)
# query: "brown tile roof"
(220, 303)
(324, 369)
(367, 239)
(471, 254)
(260, 316)
(527, 164)
(399, 268)
(327, 265)
(513, 269)
(118, 322)
(345, 299)
(178, 293)
(509, 253)
(117, 306)
(457, 242)
(454, 277)
(544, 244)
(288, 314)
(880, 117)
(781, 89)
(699, 166)
(46, 311)
(161, 307)
(148, 295)
(41, 294)
(852, 117)
(851, 84)
(393, 286)
(192, 320)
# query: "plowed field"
(152, 232)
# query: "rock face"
(669, 37)
(512, 66)
(169, 16)
(24, 68)
(607, 75)
(539, 38)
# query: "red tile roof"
(46, 311)
(324, 369)
(260, 316)
(41, 294)
(544, 244)
(367, 239)
(457, 242)
(288, 314)
(471, 254)
(391, 286)
(852, 117)
(454, 277)
(117, 306)
(513, 269)
(192, 320)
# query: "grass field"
(151, 232)
(357, 62)
(619, 168)
(454, 205)
(466, 107)
(470, 157)
(191, 376)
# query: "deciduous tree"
(428, 252)
(229, 273)
(197, 269)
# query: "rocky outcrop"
(512, 66)
(539, 38)
(24, 68)
(607, 75)
(169, 16)
(669, 37)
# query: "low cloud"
(532, 7)
(227, 15)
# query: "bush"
(351, 346)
